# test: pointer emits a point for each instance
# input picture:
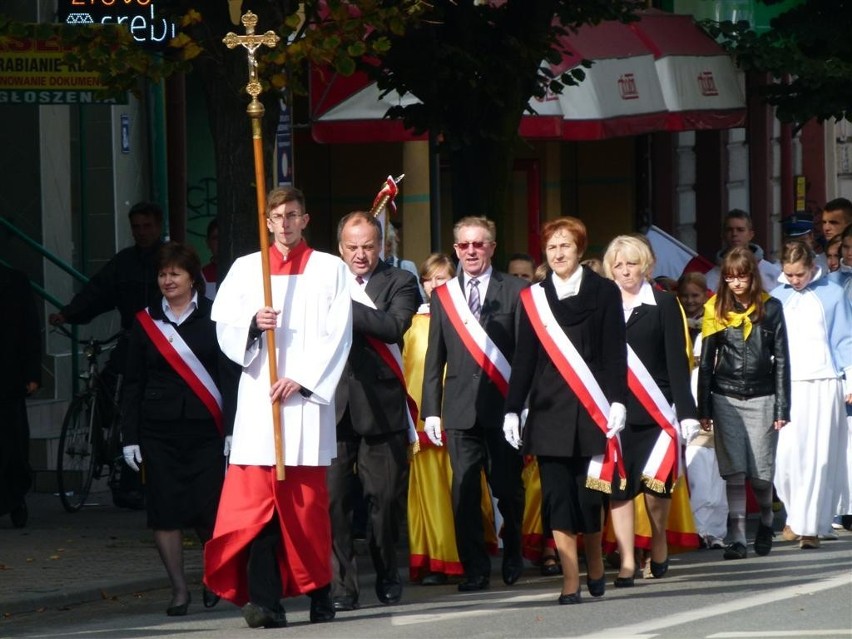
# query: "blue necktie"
(473, 299)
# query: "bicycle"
(90, 439)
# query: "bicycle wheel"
(78, 451)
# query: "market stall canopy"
(661, 73)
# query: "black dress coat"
(558, 425)
(370, 389)
(657, 336)
(155, 392)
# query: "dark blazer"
(467, 395)
(153, 390)
(657, 335)
(558, 425)
(375, 397)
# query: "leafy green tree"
(473, 64)
(807, 51)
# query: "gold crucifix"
(251, 42)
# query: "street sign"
(140, 17)
(32, 71)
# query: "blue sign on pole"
(284, 148)
(125, 133)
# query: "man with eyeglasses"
(738, 231)
(372, 425)
(272, 538)
(472, 334)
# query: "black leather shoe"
(763, 540)
(389, 591)
(20, 515)
(322, 608)
(434, 579)
(345, 603)
(260, 617)
(471, 584)
(550, 567)
(624, 582)
(735, 550)
(573, 598)
(597, 587)
(209, 598)
(179, 610)
(513, 568)
(133, 499)
(659, 570)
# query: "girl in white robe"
(810, 465)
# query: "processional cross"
(251, 42)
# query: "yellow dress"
(431, 529)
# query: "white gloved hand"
(689, 429)
(432, 428)
(512, 430)
(227, 449)
(132, 456)
(617, 419)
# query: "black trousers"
(381, 463)
(471, 451)
(264, 580)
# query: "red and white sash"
(664, 456)
(391, 356)
(580, 379)
(185, 363)
(480, 346)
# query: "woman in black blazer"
(559, 430)
(656, 332)
(167, 419)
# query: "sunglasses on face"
(465, 245)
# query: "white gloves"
(227, 449)
(132, 456)
(617, 419)
(432, 428)
(512, 430)
(689, 429)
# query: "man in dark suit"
(473, 332)
(372, 427)
(20, 376)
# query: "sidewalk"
(63, 558)
(99, 552)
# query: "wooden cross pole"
(251, 42)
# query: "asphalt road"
(790, 593)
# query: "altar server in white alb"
(273, 538)
(810, 466)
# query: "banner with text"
(32, 71)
